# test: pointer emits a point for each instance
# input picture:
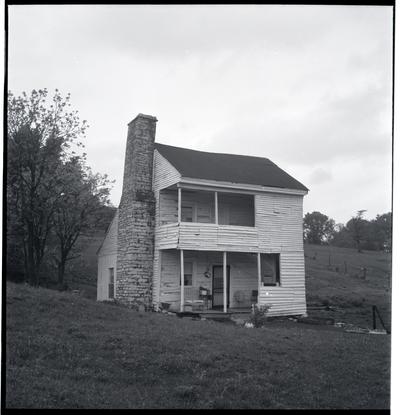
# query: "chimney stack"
(136, 216)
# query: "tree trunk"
(31, 268)
(26, 276)
(61, 271)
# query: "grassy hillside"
(343, 287)
(66, 351)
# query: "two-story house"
(220, 230)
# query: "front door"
(218, 286)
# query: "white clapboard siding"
(164, 173)
(279, 220)
(243, 278)
(109, 245)
(168, 206)
(104, 263)
(156, 276)
(169, 270)
(166, 236)
(203, 237)
(107, 258)
(289, 297)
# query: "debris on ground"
(316, 320)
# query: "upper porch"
(203, 219)
(185, 235)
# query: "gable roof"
(232, 168)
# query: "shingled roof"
(231, 168)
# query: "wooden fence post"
(373, 318)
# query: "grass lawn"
(65, 351)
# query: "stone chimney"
(136, 216)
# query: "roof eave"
(190, 182)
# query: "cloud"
(319, 176)
(354, 126)
(307, 86)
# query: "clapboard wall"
(106, 259)
(279, 221)
(164, 175)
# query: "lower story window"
(110, 282)
(187, 274)
(270, 272)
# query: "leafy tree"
(40, 139)
(379, 233)
(318, 228)
(357, 227)
(342, 237)
(79, 208)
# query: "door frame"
(228, 279)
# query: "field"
(348, 294)
(67, 351)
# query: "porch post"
(216, 207)
(182, 281)
(179, 204)
(259, 273)
(225, 287)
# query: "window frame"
(277, 266)
(185, 274)
(111, 282)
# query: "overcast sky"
(307, 86)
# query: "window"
(270, 273)
(187, 213)
(203, 214)
(110, 282)
(197, 206)
(187, 274)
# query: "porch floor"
(215, 314)
(229, 311)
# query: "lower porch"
(210, 282)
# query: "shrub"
(258, 316)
